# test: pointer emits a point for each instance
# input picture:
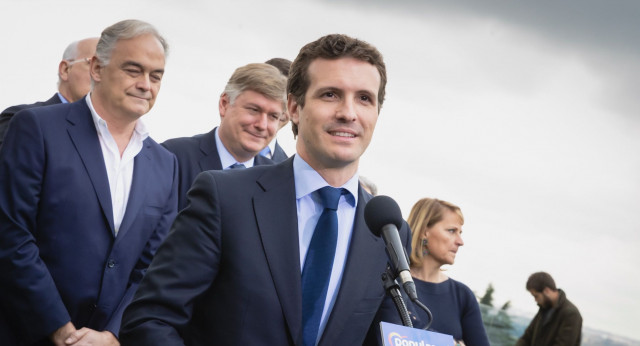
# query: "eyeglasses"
(73, 62)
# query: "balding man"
(73, 80)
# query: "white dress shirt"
(119, 168)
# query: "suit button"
(111, 263)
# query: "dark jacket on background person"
(278, 155)
(8, 113)
(197, 154)
(563, 327)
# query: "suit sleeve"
(28, 293)
(159, 235)
(182, 187)
(4, 124)
(184, 267)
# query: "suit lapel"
(363, 268)
(84, 136)
(137, 194)
(210, 159)
(276, 215)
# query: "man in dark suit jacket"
(87, 197)
(251, 107)
(230, 272)
(74, 80)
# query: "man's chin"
(252, 152)
(139, 110)
(255, 146)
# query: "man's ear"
(63, 70)
(95, 69)
(293, 108)
(223, 104)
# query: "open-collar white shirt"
(119, 168)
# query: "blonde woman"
(436, 238)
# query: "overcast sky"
(526, 114)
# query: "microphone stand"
(392, 288)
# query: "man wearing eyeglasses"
(73, 80)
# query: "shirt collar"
(141, 129)
(272, 145)
(62, 99)
(226, 159)
(307, 180)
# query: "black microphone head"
(382, 211)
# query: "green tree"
(497, 322)
(487, 298)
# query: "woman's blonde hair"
(424, 214)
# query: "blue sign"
(395, 335)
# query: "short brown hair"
(424, 214)
(538, 281)
(332, 47)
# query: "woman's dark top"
(455, 311)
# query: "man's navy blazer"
(8, 113)
(197, 154)
(60, 259)
(229, 272)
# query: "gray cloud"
(603, 33)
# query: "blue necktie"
(318, 264)
(237, 166)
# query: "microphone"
(383, 217)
